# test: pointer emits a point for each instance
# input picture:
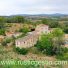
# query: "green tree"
(45, 21)
(45, 44)
(51, 44)
(2, 19)
(2, 26)
(53, 24)
(15, 19)
(57, 32)
(24, 30)
(19, 19)
(66, 30)
(58, 40)
(2, 31)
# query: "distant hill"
(56, 14)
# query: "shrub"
(8, 40)
(24, 30)
(65, 50)
(51, 44)
(62, 57)
(22, 51)
(2, 31)
(66, 30)
(4, 43)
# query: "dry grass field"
(9, 53)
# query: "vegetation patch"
(51, 44)
(22, 51)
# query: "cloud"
(8, 7)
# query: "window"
(24, 42)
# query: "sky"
(13, 7)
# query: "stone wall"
(32, 38)
(26, 43)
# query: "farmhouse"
(32, 38)
(42, 29)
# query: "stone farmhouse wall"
(42, 29)
(27, 41)
(31, 39)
